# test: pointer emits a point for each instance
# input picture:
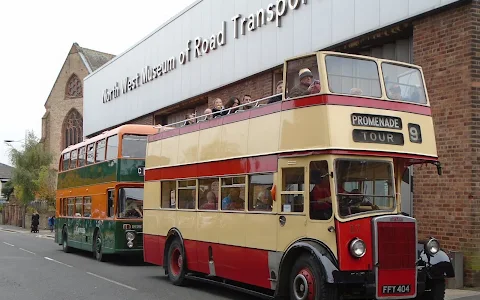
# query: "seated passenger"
(247, 99)
(395, 92)
(218, 108)
(307, 85)
(264, 201)
(278, 91)
(211, 201)
(189, 119)
(132, 210)
(208, 114)
(233, 200)
(232, 105)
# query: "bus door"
(291, 199)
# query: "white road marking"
(27, 251)
(58, 262)
(9, 244)
(113, 281)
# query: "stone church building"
(62, 123)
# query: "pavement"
(34, 267)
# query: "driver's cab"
(335, 73)
(130, 202)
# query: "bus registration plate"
(396, 289)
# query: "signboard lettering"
(377, 137)
(202, 46)
(378, 121)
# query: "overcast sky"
(36, 37)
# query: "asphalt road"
(35, 268)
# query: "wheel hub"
(303, 285)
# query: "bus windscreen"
(134, 146)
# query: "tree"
(28, 164)
(46, 183)
(7, 189)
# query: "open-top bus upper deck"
(364, 104)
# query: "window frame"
(87, 200)
(245, 194)
(250, 189)
(424, 88)
(87, 162)
(285, 95)
(187, 188)
(161, 195)
(84, 148)
(282, 192)
(107, 158)
(104, 140)
(219, 191)
(65, 167)
(331, 181)
(72, 159)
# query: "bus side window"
(303, 77)
(168, 189)
(90, 154)
(71, 207)
(208, 189)
(66, 161)
(187, 194)
(293, 181)
(100, 151)
(78, 207)
(259, 192)
(112, 147)
(111, 198)
(73, 159)
(233, 193)
(81, 157)
(320, 196)
(87, 207)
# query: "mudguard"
(320, 251)
(172, 232)
(437, 266)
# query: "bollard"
(457, 262)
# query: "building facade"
(5, 176)
(62, 123)
(158, 82)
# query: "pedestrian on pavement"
(51, 223)
(35, 221)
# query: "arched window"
(72, 128)
(74, 87)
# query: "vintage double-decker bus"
(99, 201)
(300, 198)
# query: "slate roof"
(5, 171)
(95, 59)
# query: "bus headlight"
(432, 246)
(130, 236)
(130, 244)
(357, 248)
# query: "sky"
(36, 37)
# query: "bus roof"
(127, 128)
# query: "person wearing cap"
(306, 86)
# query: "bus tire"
(176, 264)
(65, 246)
(98, 246)
(307, 281)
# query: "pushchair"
(34, 228)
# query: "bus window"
(112, 147)
(87, 207)
(78, 207)
(293, 189)
(259, 192)
(233, 188)
(71, 207)
(353, 76)
(187, 194)
(168, 194)
(100, 152)
(66, 161)
(303, 77)
(403, 83)
(90, 154)
(73, 159)
(81, 156)
(320, 196)
(364, 186)
(110, 202)
(134, 146)
(130, 203)
(208, 191)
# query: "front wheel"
(307, 281)
(98, 247)
(176, 264)
(436, 290)
(65, 246)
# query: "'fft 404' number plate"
(396, 289)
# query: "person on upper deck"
(307, 85)
(278, 96)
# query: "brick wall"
(144, 120)
(447, 206)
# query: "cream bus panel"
(151, 195)
(261, 231)
(187, 224)
(310, 128)
(207, 224)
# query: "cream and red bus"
(100, 192)
(298, 196)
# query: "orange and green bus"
(299, 197)
(99, 198)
